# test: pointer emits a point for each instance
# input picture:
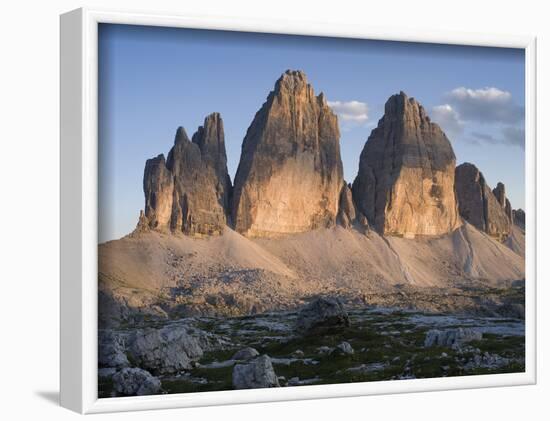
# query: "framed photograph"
(264, 211)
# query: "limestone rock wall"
(479, 205)
(518, 216)
(290, 172)
(405, 183)
(190, 191)
(158, 186)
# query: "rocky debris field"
(278, 350)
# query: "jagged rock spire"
(405, 183)
(290, 172)
(479, 205)
(190, 191)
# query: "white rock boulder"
(257, 373)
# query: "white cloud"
(485, 105)
(514, 136)
(354, 112)
(488, 95)
(509, 135)
(448, 118)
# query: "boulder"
(343, 348)
(135, 381)
(405, 183)
(478, 204)
(290, 172)
(190, 191)
(167, 350)
(452, 338)
(293, 381)
(324, 350)
(257, 373)
(245, 354)
(321, 315)
(111, 350)
(297, 354)
(487, 360)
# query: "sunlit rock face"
(290, 172)
(158, 186)
(190, 191)
(481, 207)
(405, 183)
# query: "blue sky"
(152, 80)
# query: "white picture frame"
(79, 214)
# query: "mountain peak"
(181, 135)
(290, 172)
(292, 81)
(402, 105)
(405, 183)
(189, 192)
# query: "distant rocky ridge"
(290, 176)
(405, 184)
(482, 207)
(518, 216)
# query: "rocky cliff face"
(481, 207)
(518, 216)
(290, 172)
(190, 191)
(158, 186)
(210, 138)
(500, 193)
(405, 184)
(508, 210)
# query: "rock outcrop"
(508, 210)
(245, 354)
(190, 191)
(111, 350)
(453, 338)
(255, 374)
(518, 216)
(321, 316)
(210, 138)
(158, 186)
(500, 193)
(343, 348)
(290, 172)
(346, 207)
(135, 381)
(405, 183)
(166, 350)
(479, 205)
